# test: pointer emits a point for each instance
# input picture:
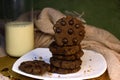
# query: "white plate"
(93, 65)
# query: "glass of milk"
(19, 30)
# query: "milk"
(19, 38)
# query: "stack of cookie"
(66, 49)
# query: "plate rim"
(42, 77)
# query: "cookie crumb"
(90, 59)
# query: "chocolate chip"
(58, 30)
(65, 41)
(71, 22)
(70, 31)
(63, 23)
(77, 25)
(75, 40)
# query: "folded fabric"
(3, 77)
(95, 39)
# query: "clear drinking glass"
(19, 30)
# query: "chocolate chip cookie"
(64, 50)
(36, 67)
(75, 56)
(63, 71)
(65, 64)
(68, 31)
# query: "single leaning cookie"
(68, 31)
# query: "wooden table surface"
(6, 62)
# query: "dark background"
(100, 13)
